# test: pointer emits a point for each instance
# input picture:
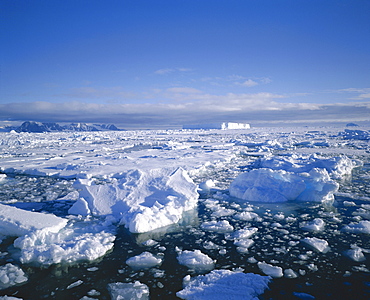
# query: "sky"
(167, 63)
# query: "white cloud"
(249, 83)
(171, 70)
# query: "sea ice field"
(259, 213)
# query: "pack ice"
(141, 200)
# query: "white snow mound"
(142, 201)
(225, 284)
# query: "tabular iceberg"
(142, 201)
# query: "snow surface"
(225, 284)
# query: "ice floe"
(142, 201)
(195, 260)
(317, 244)
(360, 227)
(18, 222)
(11, 275)
(267, 185)
(270, 270)
(144, 260)
(225, 284)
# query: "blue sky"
(144, 64)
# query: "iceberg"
(267, 185)
(142, 201)
(225, 284)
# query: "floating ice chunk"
(360, 227)
(289, 273)
(224, 284)
(316, 244)
(244, 233)
(206, 186)
(270, 270)
(304, 296)
(2, 176)
(223, 212)
(315, 225)
(18, 222)
(11, 275)
(217, 226)
(74, 284)
(247, 216)
(243, 245)
(134, 291)
(195, 260)
(142, 201)
(80, 207)
(69, 245)
(9, 298)
(355, 254)
(145, 260)
(266, 185)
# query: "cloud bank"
(183, 105)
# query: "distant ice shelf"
(223, 126)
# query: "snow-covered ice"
(225, 284)
(18, 222)
(11, 275)
(316, 244)
(270, 270)
(144, 260)
(142, 201)
(195, 260)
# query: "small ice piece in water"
(144, 260)
(223, 285)
(304, 296)
(195, 260)
(316, 244)
(2, 177)
(134, 291)
(11, 275)
(217, 226)
(355, 254)
(75, 284)
(360, 227)
(244, 233)
(289, 273)
(270, 270)
(206, 186)
(246, 216)
(315, 225)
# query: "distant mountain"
(31, 126)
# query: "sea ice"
(315, 225)
(18, 222)
(225, 284)
(355, 254)
(132, 291)
(317, 244)
(217, 226)
(267, 185)
(195, 260)
(70, 244)
(11, 275)
(144, 260)
(142, 201)
(270, 270)
(360, 227)
(2, 176)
